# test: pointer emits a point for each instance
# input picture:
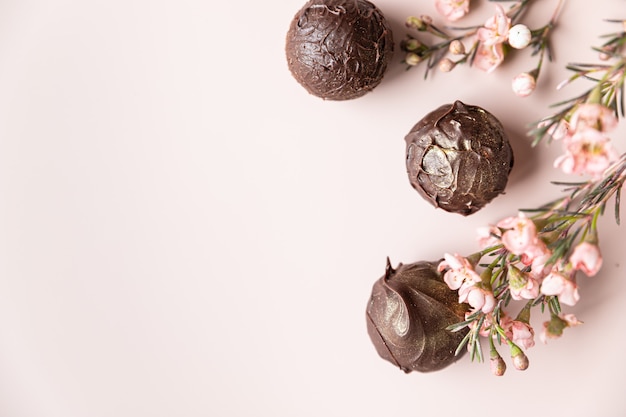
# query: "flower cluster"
(489, 42)
(588, 149)
(585, 121)
(537, 257)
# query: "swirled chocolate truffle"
(458, 157)
(339, 49)
(407, 316)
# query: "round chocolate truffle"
(407, 316)
(458, 157)
(339, 49)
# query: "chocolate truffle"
(458, 157)
(407, 315)
(339, 49)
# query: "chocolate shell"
(458, 157)
(407, 315)
(339, 49)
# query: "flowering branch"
(534, 257)
(607, 91)
(537, 256)
(489, 42)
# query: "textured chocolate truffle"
(458, 158)
(407, 315)
(339, 49)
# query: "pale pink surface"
(183, 226)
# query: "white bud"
(519, 36)
(412, 58)
(446, 65)
(457, 47)
(524, 84)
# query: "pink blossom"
(488, 236)
(496, 29)
(488, 57)
(570, 319)
(452, 9)
(586, 257)
(558, 284)
(523, 287)
(588, 151)
(477, 297)
(594, 116)
(535, 253)
(559, 130)
(520, 238)
(520, 234)
(553, 329)
(539, 266)
(522, 334)
(460, 270)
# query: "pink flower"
(460, 270)
(496, 29)
(488, 236)
(553, 329)
(520, 333)
(570, 319)
(488, 57)
(520, 234)
(522, 286)
(565, 289)
(539, 267)
(587, 258)
(588, 151)
(559, 130)
(536, 253)
(524, 84)
(594, 116)
(477, 297)
(452, 9)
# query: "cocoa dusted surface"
(458, 157)
(339, 49)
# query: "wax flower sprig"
(607, 90)
(488, 43)
(538, 256)
(534, 257)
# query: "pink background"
(184, 231)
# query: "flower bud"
(456, 47)
(520, 360)
(411, 44)
(412, 59)
(519, 36)
(496, 363)
(413, 22)
(426, 19)
(524, 84)
(446, 65)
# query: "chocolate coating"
(407, 315)
(339, 49)
(458, 157)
